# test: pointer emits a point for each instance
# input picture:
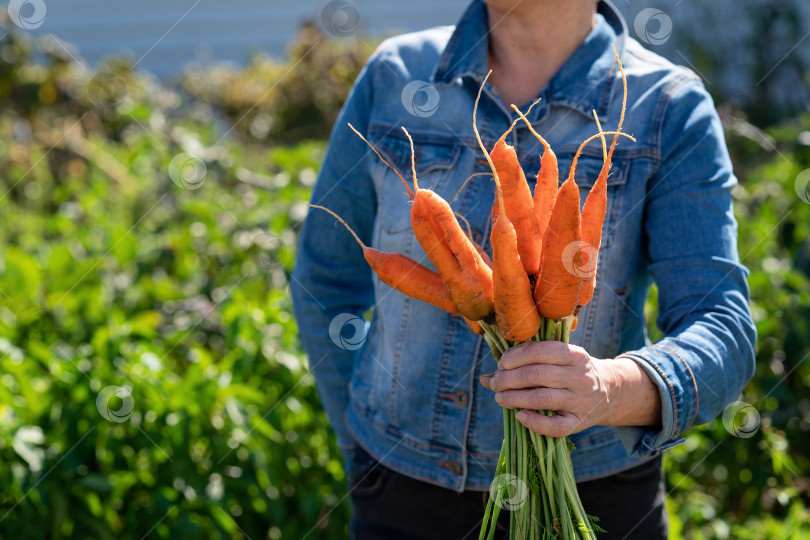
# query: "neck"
(531, 40)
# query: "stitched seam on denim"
(398, 470)
(596, 438)
(662, 107)
(400, 343)
(608, 90)
(445, 54)
(422, 166)
(590, 323)
(411, 441)
(438, 404)
(615, 204)
(694, 383)
(671, 390)
(619, 312)
(468, 420)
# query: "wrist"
(633, 398)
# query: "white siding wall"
(167, 34)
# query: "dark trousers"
(388, 505)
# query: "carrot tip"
(407, 187)
(340, 219)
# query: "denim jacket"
(405, 387)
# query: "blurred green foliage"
(151, 380)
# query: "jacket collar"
(584, 82)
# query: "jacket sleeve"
(331, 283)
(707, 354)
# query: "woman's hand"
(583, 390)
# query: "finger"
(485, 380)
(540, 352)
(536, 398)
(558, 425)
(531, 376)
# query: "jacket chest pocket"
(434, 162)
(588, 168)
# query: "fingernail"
(521, 416)
(499, 398)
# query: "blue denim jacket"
(408, 391)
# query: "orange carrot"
(474, 326)
(466, 275)
(404, 274)
(593, 211)
(515, 312)
(547, 180)
(478, 247)
(557, 288)
(517, 199)
(460, 265)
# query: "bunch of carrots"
(542, 272)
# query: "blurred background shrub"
(151, 380)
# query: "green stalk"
(490, 499)
(523, 464)
(565, 515)
(573, 496)
(551, 330)
(494, 523)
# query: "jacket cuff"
(651, 441)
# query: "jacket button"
(460, 397)
(454, 467)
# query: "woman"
(421, 438)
